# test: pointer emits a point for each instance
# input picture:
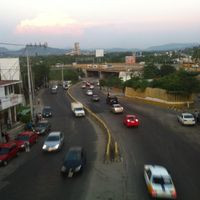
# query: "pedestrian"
(7, 137)
(3, 136)
(8, 123)
(196, 115)
(38, 101)
(27, 146)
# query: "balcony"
(11, 100)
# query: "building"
(76, 48)
(10, 98)
(10, 90)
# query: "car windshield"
(4, 151)
(117, 106)
(188, 117)
(47, 110)
(73, 156)
(162, 180)
(131, 118)
(53, 138)
(78, 109)
(23, 137)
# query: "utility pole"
(30, 78)
(29, 83)
(62, 74)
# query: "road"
(159, 140)
(36, 175)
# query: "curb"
(102, 125)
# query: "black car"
(111, 100)
(95, 97)
(42, 127)
(74, 161)
(47, 111)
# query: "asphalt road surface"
(159, 140)
(36, 175)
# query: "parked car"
(53, 142)
(74, 161)
(111, 100)
(91, 86)
(42, 127)
(95, 97)
(29, 137)
(159, 182)
(7, 152)
(47, 111)
(89, 92)
(117, 108)
(131, 121)
(83, 86)
(186, 119)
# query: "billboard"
(130, 60)
(99, 53)
(10, 69)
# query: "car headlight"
(56, 146)
(42, 131)
(44, 146)
(22, 145)
(77, 168)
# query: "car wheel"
(5, 162)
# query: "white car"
(89, 92)
(159, 182)
(117, 108)
(91, 87)
(83, 86)
(186, 119)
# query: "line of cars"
(74, 160)
(158, 180)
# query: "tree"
(166, 70)
(150, 71)
(181, 82)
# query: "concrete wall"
(160, 96)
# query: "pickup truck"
(77, 109)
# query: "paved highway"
(35, 175)
(159, 140)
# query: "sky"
(100, 23)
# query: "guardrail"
(102, 124)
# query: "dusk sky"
(100, 23)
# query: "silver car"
(53, 142)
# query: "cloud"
(52, 23)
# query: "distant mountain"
(121, 50)
(32, 51)
(172, 46)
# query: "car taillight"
(174, 194)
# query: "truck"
(77, 109)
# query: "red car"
(7, 152)
(130, 121)
(27, 136)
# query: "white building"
(10, 90)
